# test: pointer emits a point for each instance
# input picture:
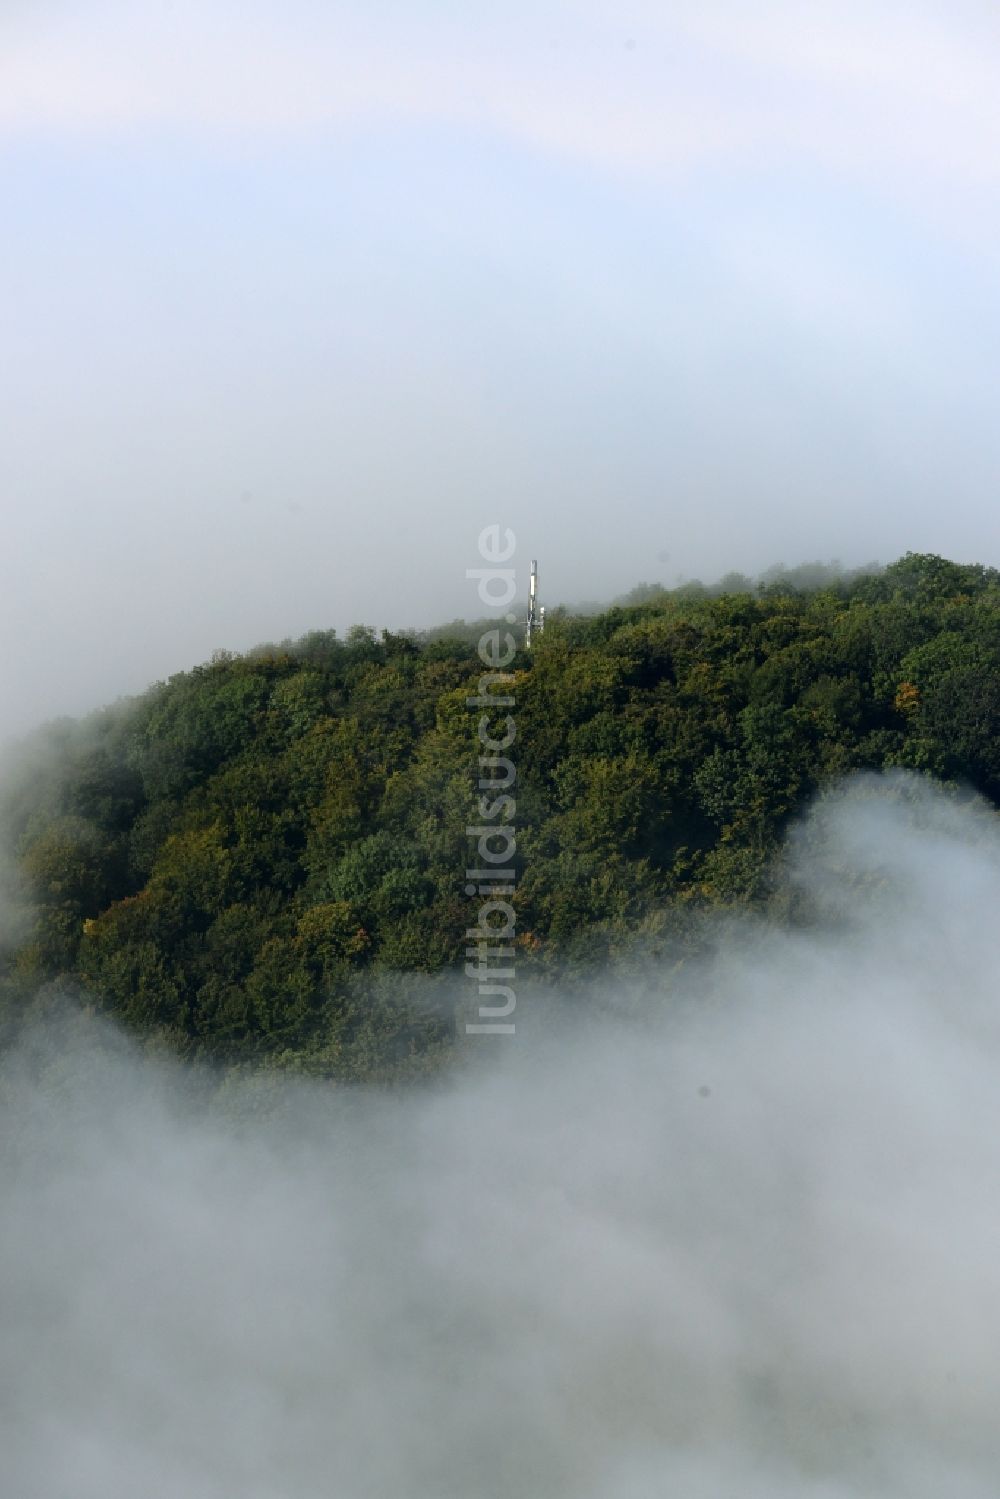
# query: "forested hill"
(239, 859)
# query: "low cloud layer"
(736, 1235)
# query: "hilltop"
(239, 861)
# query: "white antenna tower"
(534, 616)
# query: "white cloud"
(870, 89)
(735, 1235)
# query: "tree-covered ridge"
(240, 858)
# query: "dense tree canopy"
(239, 860)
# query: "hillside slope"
(240, 859)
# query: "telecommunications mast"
(536, 616)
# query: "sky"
(296, 299)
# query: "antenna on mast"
(532, 618)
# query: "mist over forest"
(715, 1213)
(727, 1227)
(498, 944)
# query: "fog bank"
(741, 1241)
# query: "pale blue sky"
(296, 298)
